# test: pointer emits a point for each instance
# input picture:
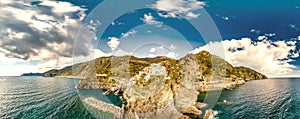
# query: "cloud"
(262, 38)
(172, 55)
(293, 26)
(266, 56)
(179, 8)
(295, 55)
(152, 50)
(152, 55)
(43, 32)
(125, 35)
(149, 19)
(163, 51)
(121, 52)
(255, 31)
(173, 47)
(113, 43)
(92, 25)
(270, 34)
(98, 53)
(192, 15)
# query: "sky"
(39, 35)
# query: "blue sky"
(263, 35)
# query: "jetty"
(105, 107)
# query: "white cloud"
(113, 43)
(298, 37)
(192, 15)
(295, 54)
(50, 26)
(6, 1)
(152, 50)
(44, 32)
(149, 19)
(173, 47)
(93, 24)
(125, 35)
(63, 7)
(203, 48)
(266, 56)
(168, 15)
(98, 53)
(293, 26)
(179, 8)
(15, 35)
(254, 31)
(262, 38)
(270, 34)
(172, 55)
(160, 47)
(152, 55)
(121, 52)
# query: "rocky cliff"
(159, 87)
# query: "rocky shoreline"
(163, 101)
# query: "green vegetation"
(128, 66)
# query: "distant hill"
(32, 74)
(210, 66)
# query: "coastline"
(207, 113)
(105, 107)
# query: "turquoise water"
(98, 94)
(38, 97)
(267, 99)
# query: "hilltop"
(158, 87)
(209, 65)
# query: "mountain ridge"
(205, 60)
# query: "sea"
(57, 98)
(261, 99)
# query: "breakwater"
(105, 107)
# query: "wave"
(2, 79)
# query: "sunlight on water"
(272, 98)
(38, 97)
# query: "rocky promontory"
(159, 87)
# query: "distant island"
(158, 87)
(32, 74)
